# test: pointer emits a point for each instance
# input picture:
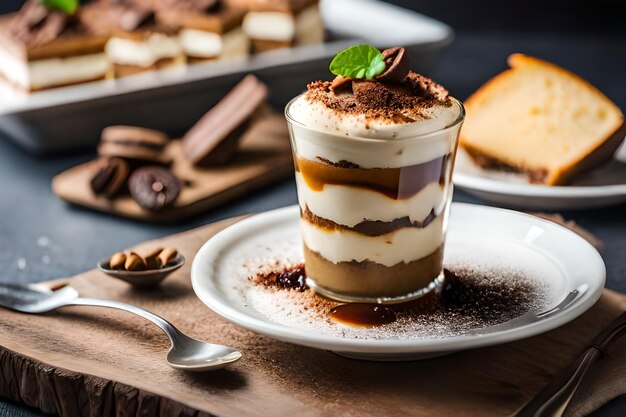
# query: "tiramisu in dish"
(42, 48)
(374, 152)
(283, 23)
(208, 29)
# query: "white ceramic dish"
(172, 100)
(604, 186)
(559, 256)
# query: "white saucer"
(562, 260)
(601, 187)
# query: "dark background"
(587, 37)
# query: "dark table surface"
(43, 238)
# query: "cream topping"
(316, 115)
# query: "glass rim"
(423, 136)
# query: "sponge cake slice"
(541, 119)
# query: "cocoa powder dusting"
(395, 102)
(468, 300)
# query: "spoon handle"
(175, 336)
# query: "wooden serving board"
(87, 361)
(264, 157)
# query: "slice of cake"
(42, 48)
(541, 119)
(274, 24)
(208, 30)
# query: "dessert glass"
(373, 211)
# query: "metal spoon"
(186, 353)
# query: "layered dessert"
(542, 120)
(136, 42)
(283, 23)
(208, 29)
(42, 48)
(373, 161)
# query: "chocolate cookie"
(110, 176)
(154, 188)
(135, 143)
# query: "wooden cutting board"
(85, 361)
(264, 157)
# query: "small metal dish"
(142, 279)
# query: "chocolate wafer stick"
(214, 139)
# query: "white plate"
(604, 186)
(562, 258)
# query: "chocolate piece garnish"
(154, 188)
(398, 65)
(214, 139)
(103, 18)
(36, 25)
(110, 177)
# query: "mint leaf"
(359, 61)
(66, 6)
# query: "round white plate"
(571, 267)
(601, 187)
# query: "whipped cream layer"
(402, 245)
(54, 72)
(318, 116)
(304, 27)
(203, 44)
(349, 206)
(143, 53)
(320, 132)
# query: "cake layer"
(203, 44)
(143, 53)
(403, 245)
(283, 6)
(370, 279)
(395, 183)
(303, 27)
(371, 228)
(350, 206)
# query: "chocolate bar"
(214, 139)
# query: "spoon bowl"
(142, 279)
(197, 356)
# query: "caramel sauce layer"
(371, 279)
(395, 183)
(367, 227)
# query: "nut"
(167, 255)
(134, 262)
(152, 258)
(398, 65)
(117, 260)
